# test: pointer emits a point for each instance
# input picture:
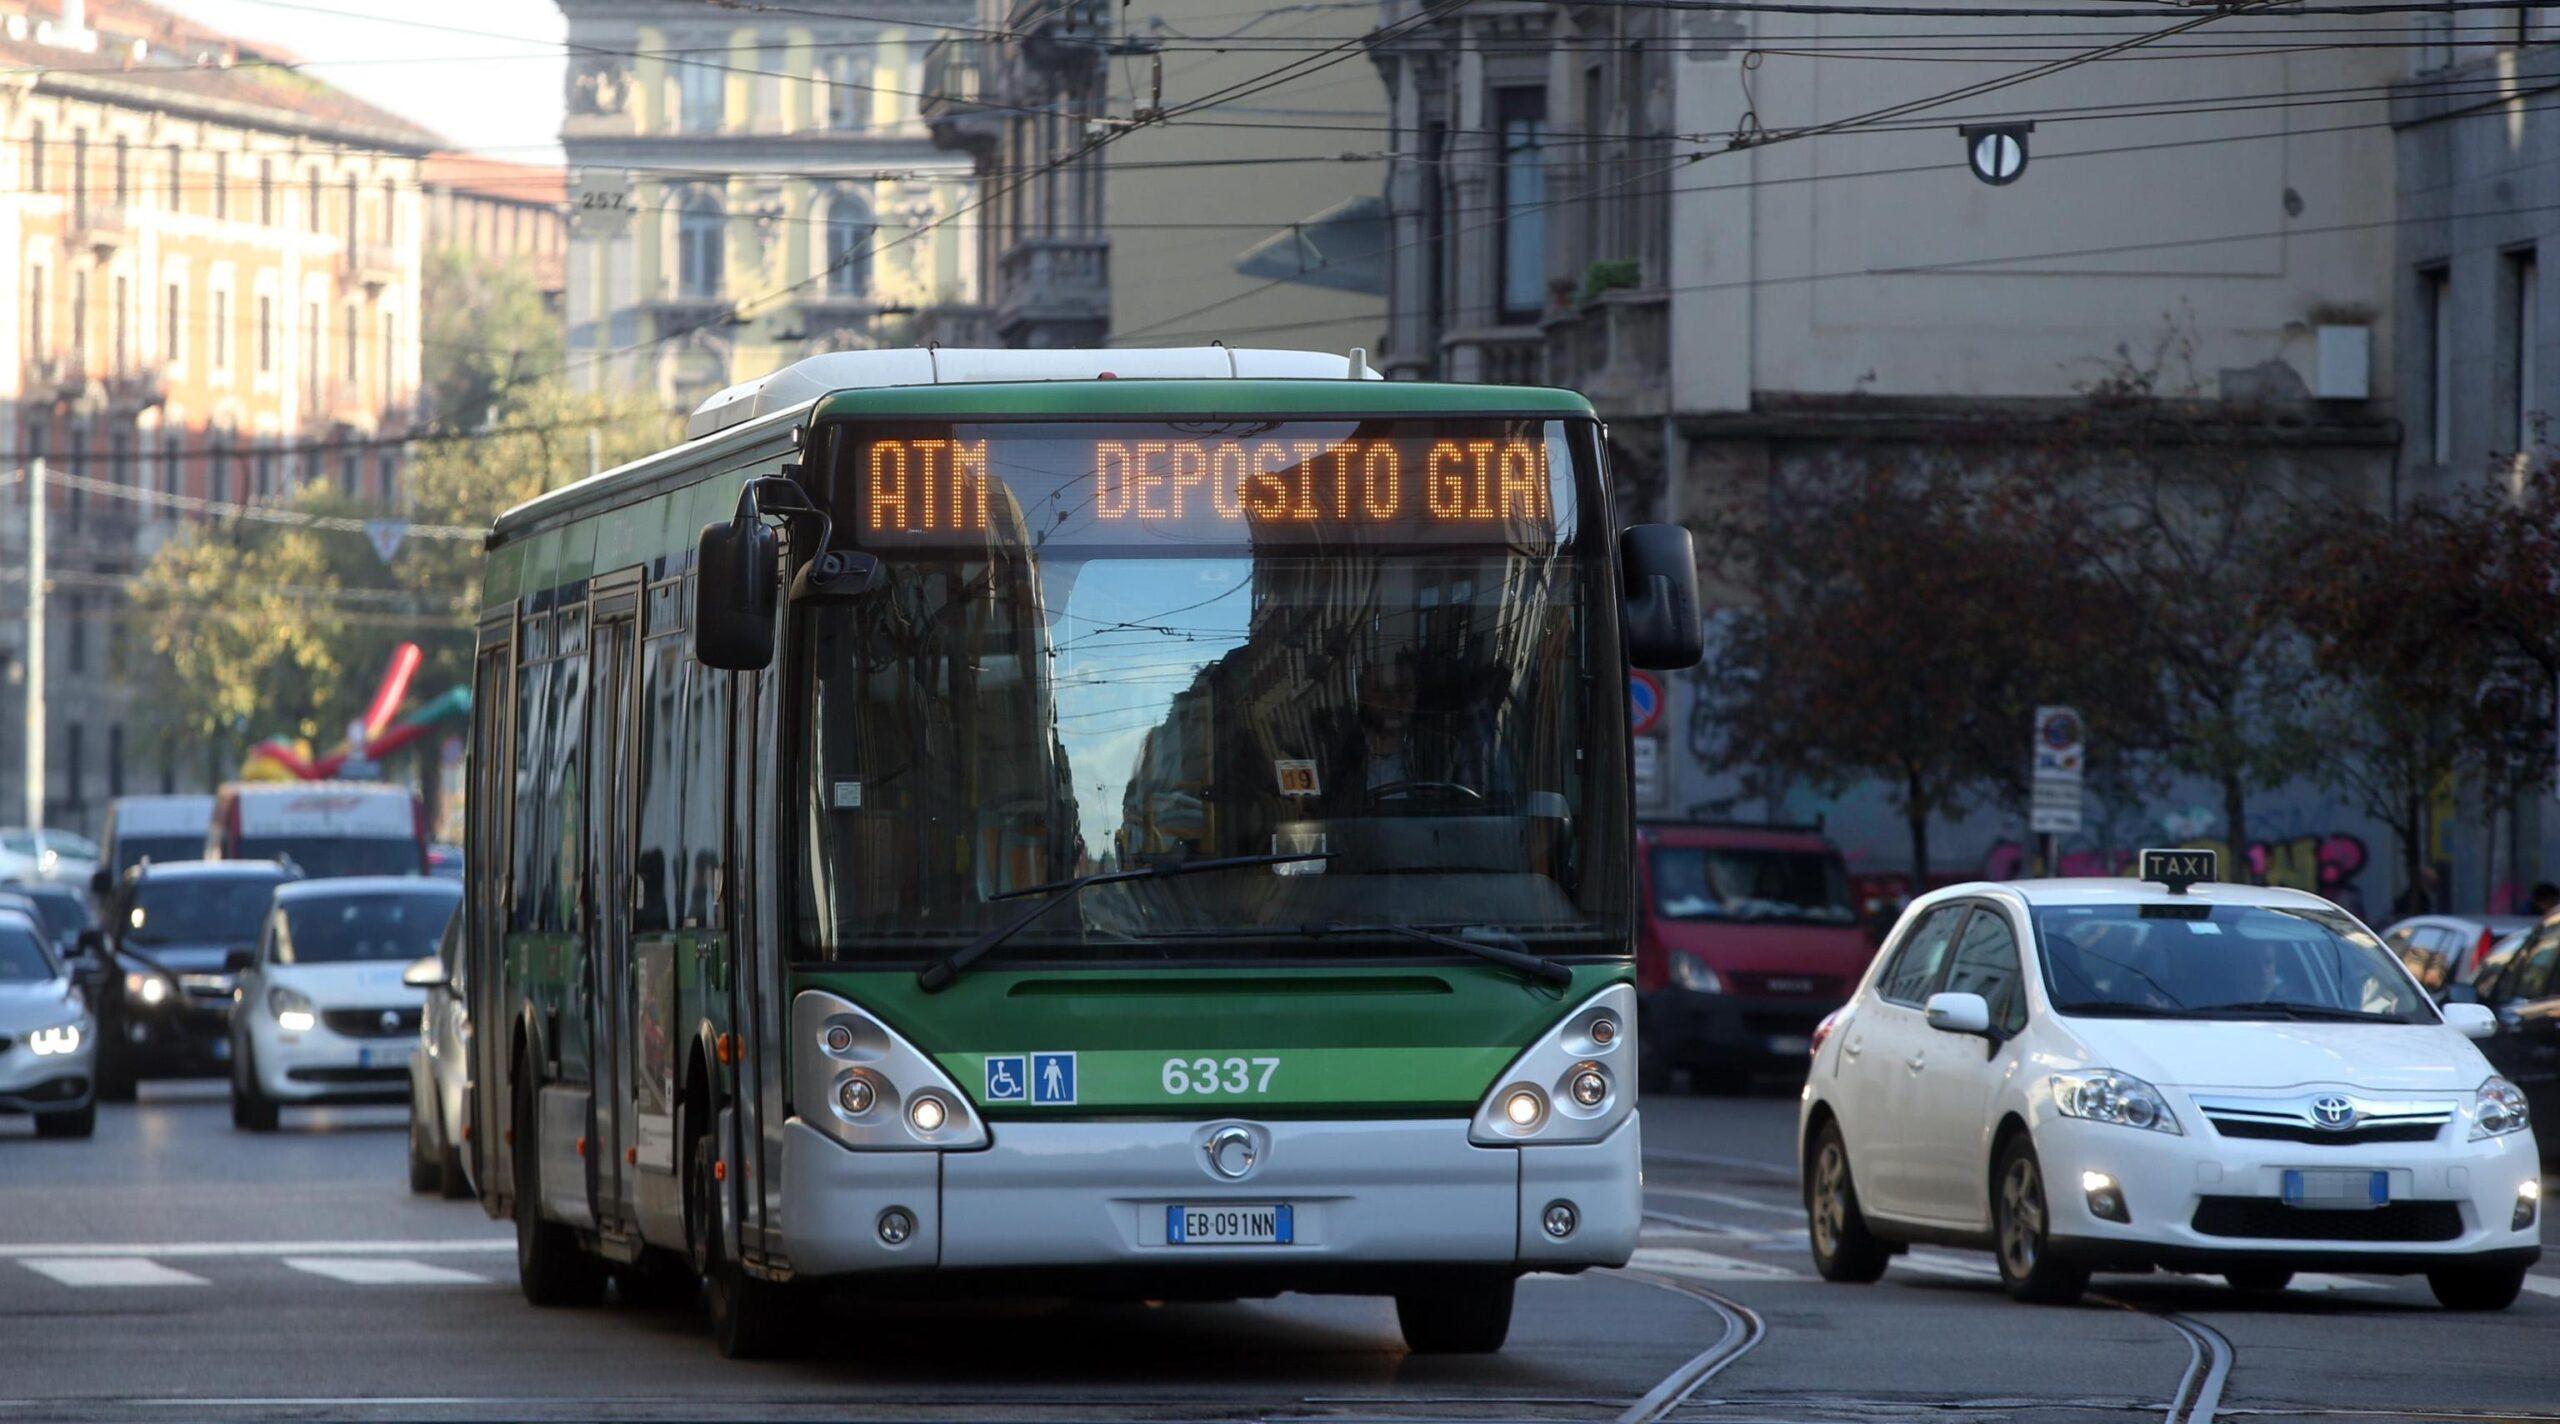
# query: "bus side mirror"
(1663, 625)
(738, 567)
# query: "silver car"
(439, 1072)
(48, 1038)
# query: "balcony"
(1494, 356)
(136, 387)
(104, 228)
(346, 403)
(371, 265)
(1055, 291)
(674, 311)
(1615, 349)
(954, 71)
(58, 376)
(956, 326)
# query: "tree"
(1906, 613)
(487, 334)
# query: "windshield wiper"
(937, 976)
(2294, 1010)
(1508, 950)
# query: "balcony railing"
(136, 387)
(1616, 349)
(954, 326)
(1068, 267)
(102, 227)
(954, 75)
(373, 265)
(1494, 355)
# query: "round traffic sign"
(2061, 729)
(1644, 702)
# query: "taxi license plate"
(2336, 1190)
(1229, 1224)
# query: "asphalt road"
(173, 1269)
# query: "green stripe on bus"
(1296, 1078)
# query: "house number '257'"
(1218, 1075)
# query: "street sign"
(386, 536)
(2059, 748)
(1652, 791)
(1644, 701)
(1997, 153)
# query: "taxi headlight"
(60, 1038)
(294, 1011)
(2104, 1095)
(149, 988)
(2497, 1109)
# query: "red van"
(1747, 936)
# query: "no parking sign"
(1644, 702)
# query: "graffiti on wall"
(2325, 864)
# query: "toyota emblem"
(2334, 1113)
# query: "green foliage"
(487, 334)
(1609, 274)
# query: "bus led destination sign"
(930, 489)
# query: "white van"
(154, 828)
(324, 829)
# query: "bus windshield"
(1387, 643)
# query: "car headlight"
(2497, 1109)
(2104, 1095)
(1691, 973)
(60, 1038)
(149, 988)
(294, 1011)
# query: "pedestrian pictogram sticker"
(1053, 1079)
(1007, 1081)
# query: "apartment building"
(750, 185)
(516, 213)
(213, 298)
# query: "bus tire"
(751, 1318)
(551, 1267)
(1473, 1318)
(424, 1174)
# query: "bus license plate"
(2337, 1189)
(1228, 1224)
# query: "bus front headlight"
(1568, 1086)
(856, 1080)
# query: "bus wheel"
(751, 1318)
(549, 1264)
(1471, 1319)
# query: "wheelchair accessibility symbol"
(1007, 1082)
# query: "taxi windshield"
(2207, 961)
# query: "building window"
(1520, 117)
(390, 224)
(79, 168)
(700, 231)
(2436, 296)
(348, 363)
(311, 200)
(387, 357)
(124, 172)
(120, 312)
(220, 333)
(80, 317)
(312, 369)
(221, 184)
(2524, 321)
(351, 473)
(120, 459)
(37, 178)
(266, 473)
(266, 335)
(173, 342)
(844, 99)
(770, 84)
(266, 192)
(75, 500)
(177, 179)
(848, 251)
(699, 96)
(37, 310)
(217, 469)
(387, 469)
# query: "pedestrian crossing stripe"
(92, 1271)
(380, 1271)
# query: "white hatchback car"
(323, 1014)
(2114, 1075)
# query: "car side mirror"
(427, 973)
(240, 961)
(2458, 994)
(1959, 1013)
(2473, 1021)
(1664, 628)
(738, 569)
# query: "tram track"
(2198, 1397)
(1743, 1331)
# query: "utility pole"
(36, 578)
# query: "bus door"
(752, 967)
(489, 813)
(612, 647)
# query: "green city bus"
(1145, 824)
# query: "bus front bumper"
(1366, 1200)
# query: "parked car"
(440, 1071)
(1746, 937)
(2521, 985)
(154, 828)
(164, 995)
(40, 853)
(48, 1038)
(63, 910)
(321, 828)
(325, 1014)
(2449, 949)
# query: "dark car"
(2521, 984)
(163, 996)
(1747, 936)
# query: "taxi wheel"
(751, 1318)
(2259, 1280)
(2476, 1287)
(551, 1268)
(79, 1122)
(1843, 1248)
(1473, 1319)
(251, 1110)
(424, 1174)
(2021, 1232)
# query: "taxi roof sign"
(2177, 869)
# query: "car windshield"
(23, 956)
(332, 857)
(19, 842)
(63, 911)
(78, 847)
(2221, 962)
(1716, 883)
(1092, 647)
(201, 909)
(342, 929)
(159, 850)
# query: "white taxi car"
(2087, 1075)
(324, 1013)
